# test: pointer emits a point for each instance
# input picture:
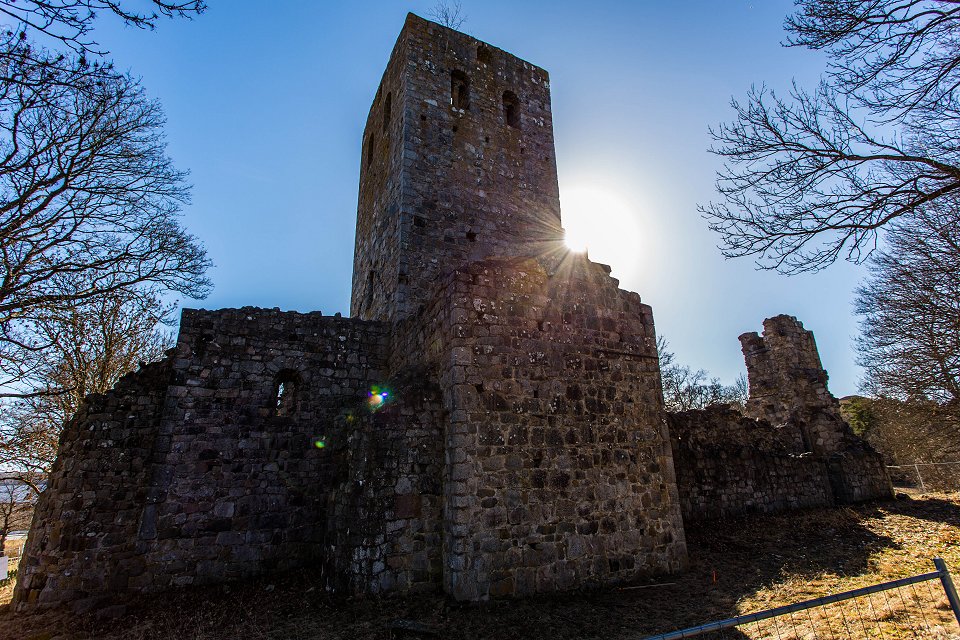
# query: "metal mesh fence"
(927, 476)
(923, 606)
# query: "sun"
(603, 223)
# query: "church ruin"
(489, 421)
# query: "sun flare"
(601, 222)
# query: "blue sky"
(266, 102)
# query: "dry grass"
(736, 567)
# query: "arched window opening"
(387, 105)
(459, 90)
(285, 393)
(511, 109)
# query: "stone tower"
(490, 422)
(457, 165)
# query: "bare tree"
(16, 508)
(90, 235)
(449, 14)
(909, 341)
(70, 22)
(90, 347)
(738, 393)
(812, 177)
(906, 432)
(89, 202)
(685, 388)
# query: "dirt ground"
(737, 566)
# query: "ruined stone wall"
(214, 473)
(241, 484)
(859, 473)
(728, 465)
(792, 449)
(472, 181)
(386, 520)
(559, 468)
(83, 542)
(788, 386)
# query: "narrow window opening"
(285, 393)
(370, 150)
(200, 348)
(805, 439)
(459, 90)
(387, 105)
(484, 54)
(370, 278)
(511, 109)
(471, 236)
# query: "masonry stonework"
(490, 421)
(790, 449)
(458, 164)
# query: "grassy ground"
(736, 567)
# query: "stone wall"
(728, 465)
(792, 449)
(560, 473)
(198, 469)
(788, 384)
(83, 541)
(387, 510)
(240, 484)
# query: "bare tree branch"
(910, 311)
(449, 14)
(91, 346)
(70, 22)
(812, 178)
(89, 202)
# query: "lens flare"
(378, 398)
(320, 444)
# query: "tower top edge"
(415, 22)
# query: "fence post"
(919, 477)
(947, 582)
